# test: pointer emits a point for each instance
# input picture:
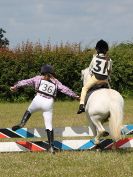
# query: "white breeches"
(40, 103)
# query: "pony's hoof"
(105, 134)
(96, 141)
(98, 148)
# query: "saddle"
(94, 88)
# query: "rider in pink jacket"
(46, 87)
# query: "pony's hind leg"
(91, 125)
(100, 129)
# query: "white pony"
(102, 105)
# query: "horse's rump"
(94, 88)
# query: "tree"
(4, 42)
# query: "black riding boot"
(50, 135)
(81, 109)
(25, 118)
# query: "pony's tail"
(116, 119)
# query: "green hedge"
(68, 60)
(122, 76)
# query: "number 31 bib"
(99, 65)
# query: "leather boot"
(25, 118)
(50, 135)
(81, 109)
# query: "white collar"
(101, 54)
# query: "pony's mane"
(85, 73)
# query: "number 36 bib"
(47, 88)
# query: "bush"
(122, 76)
(68, 60)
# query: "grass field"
(63, 164)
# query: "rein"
(106, 65)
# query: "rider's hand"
(13, 89)
(77, 97)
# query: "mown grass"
(63, 164)
(64, 114)
(67, 164)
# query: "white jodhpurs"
(40, 103)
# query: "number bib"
(99, 66)
(47, 87)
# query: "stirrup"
(81, 109)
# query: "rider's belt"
(45, 95)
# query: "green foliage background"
(68, 60)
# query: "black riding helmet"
(47, 69)
(102, 47)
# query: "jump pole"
(40, 146)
